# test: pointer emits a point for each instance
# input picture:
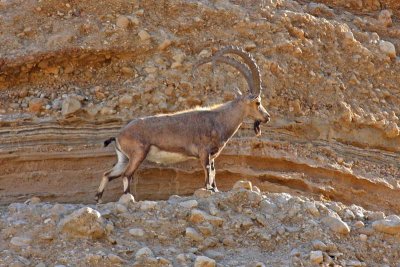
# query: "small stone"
(336, 225)
(33, 200)
(387, 48)
(36, 105)
(20, 241)
(144, 35)
(354, 263)
(392, 130)
(203, 261)
(136, 232)
(115, 259)
(192, 234)
(197, 216)
(316, 257)
(70, 105)
(122, 22)
(319, 245)
(107, 111)
(119, 208)
(390, 225)
(165, 44)
(189, 204)
(385, 18)
(40, 264)
(143, 253)
(126, 199)
(128, 71)
(148, 205)
(359, 224)
(243, 185)
(363, 237)
(202, 193)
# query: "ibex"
(197, 133)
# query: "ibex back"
(198, 133)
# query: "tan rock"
(36, 104)
(85, 222)
(202, 193)
(392, 130)
(122, 22)
(165, 44)
(336, 224)
(144, 35)
(203, 261)
(192, 234)
(70, 105)
(389, 225)
(387, 48)
(316, 257)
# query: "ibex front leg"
(209, 172)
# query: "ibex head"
(250, 70)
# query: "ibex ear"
(252, 97)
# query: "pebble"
(36, 105)
(20, 241)
(122, 22)
(319, 245)
(144, 35)
(192, 234)
(144, 252)
(336, 225)
(316, 257)
(126, 199)
(363, 237)
(387, 48)
(136, 232)
(165, 44)
(203, 261)
(70, 105)
(148, 205)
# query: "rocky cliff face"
(73, 73)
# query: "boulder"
(85, 222)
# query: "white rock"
(137, 232)
(20, 241)
(126, 199)
(390, 225)
(336, 224)
(148, 205)
(143, 253)
(192, 234)
(189, 204)
(70, 105)
(85, 222)
(388, 48)
(267, 207)
(203, 261)
(316, 257)
(363, 237)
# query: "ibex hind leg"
(116, 171)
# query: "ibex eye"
(258, 103)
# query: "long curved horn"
(250, 62)
(243, 69)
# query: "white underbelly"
(160, 156)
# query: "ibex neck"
(230, 118)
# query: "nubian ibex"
(199, 133)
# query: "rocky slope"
(241, 227)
